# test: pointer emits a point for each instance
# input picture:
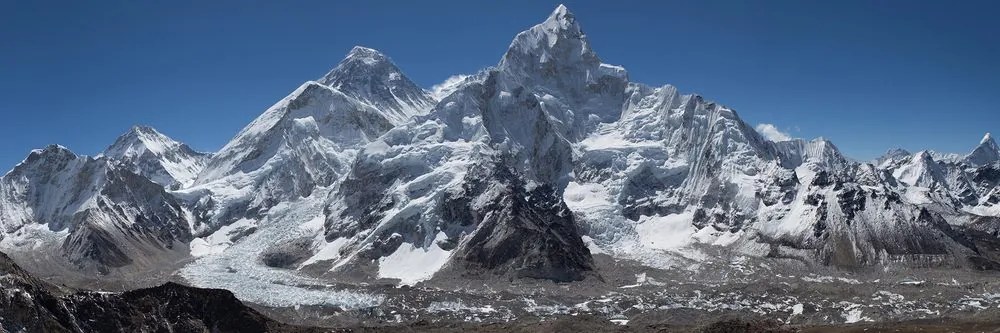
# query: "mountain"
(302, 145)
(157, 157)
(959, 187)
(892, 156)
(475, 185)
(641, 170)
(986, 153)
(95, 212)
(921, 171)
(550, 166)
(364, 96)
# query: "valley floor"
(593, 324)
(626, 296)
(745, 294)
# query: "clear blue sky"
(869, 75)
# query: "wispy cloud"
(443, 89)
(771, 132)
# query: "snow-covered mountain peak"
(139, 139)
(139, 129)
(96, 212)
(897, 152)
(892, 156)
(558, 39)
(986, 153)
(50, 155)
(53, 149)
(441, 90)
(554, 58)
(303, 142)
(562, 21)
(366, 54)
(922, 170)
(923, 156)
(311, 111)
(818, 151)
(165, 161)
(371, 77)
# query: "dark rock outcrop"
(28, 304)
(522, 233)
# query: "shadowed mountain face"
(31, 305)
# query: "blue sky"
(869, 75)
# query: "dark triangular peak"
(370, 76)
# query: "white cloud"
(771, 132)
(443, 89)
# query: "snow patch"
(585, 197)
(218, 241)
(411, 264)
(669, 232)
(853, 313)
(593, 247)
(328, 251)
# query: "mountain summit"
(986, 153)
(157, 157)
(369, 76)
